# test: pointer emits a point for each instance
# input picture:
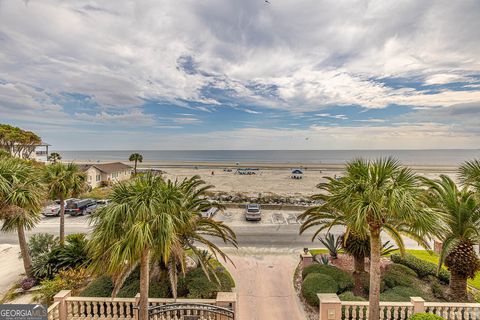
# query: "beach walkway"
(264, 284)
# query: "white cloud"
(134, 117)
(251, 111)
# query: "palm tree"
(470, 174)
(21, 197)
(137, 157)
(54, 157)
(63, 181)
(150, 219)
(461, 210)
(381, 196)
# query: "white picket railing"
(454, 311)
(53, 311)
(358, 310)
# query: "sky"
(242, 74)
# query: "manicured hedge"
(155, 290)
(317, 283)
(342, 278)
(398, 275)
(350, 296)
(198, 285)
(421, 267)
(400, 293)
(100, 287)
(425, 316)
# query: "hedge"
(398, 275)
(155, 289)
(400, 293)
(425, 316)
(421, 267)
(199, 287)
(317, 283)
(100, 287)
(350, 296)
(343, 279)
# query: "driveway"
(264, 284)
(10, 266)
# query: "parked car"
(53, 210)
(209, 213)
(98, 204)
(252, 212)
(79, 207)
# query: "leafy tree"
(136, 157)
(374, 197)
(21, 196)
(63, 181)
(18, 142)
(461, 210)
(54, 157)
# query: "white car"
(252, 212)
(209, 213)
(53, 210)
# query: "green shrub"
(200, 287)
(425, 316)
(400, 293)
(421, 267)
(155, 289)
(100, 287)
(317, 283)
(343, 279)
(65, 280)
(41, 243)
(349, 296)
(398, 275)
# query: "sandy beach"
(271, 178)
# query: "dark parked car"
(79, 207)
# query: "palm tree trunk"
(358, 273)
(374, 296)
(62, 221)
(144, 283)
(458, 287)
(135, 169)
(27, 261)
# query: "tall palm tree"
(54, 157)
(21, 197)
(150, 219)
(136, 157)
(469, 173)
(63, 181)
(461, 210)
(381, 196)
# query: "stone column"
(306, 258)
(330, 306)
(61, 298)
(418, 304)
(136, 311)
(227, 300)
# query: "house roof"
(107, 167)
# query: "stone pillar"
(330, 306)
(306, 258)
(61, 298)
(227, 300)
(136, 311)
(418, 304)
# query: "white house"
(106, 173)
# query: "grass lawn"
(421, 254)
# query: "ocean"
(417, 157)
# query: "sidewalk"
(10, 266)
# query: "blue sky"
(216, 74)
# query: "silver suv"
(252, 212)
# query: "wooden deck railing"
(331, 308)
(66, 307)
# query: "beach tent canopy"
(297, 171)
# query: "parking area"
(275, 217)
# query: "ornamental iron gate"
(190, 311)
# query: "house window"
(98, 177)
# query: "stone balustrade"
(331, 308)
(66, 307)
